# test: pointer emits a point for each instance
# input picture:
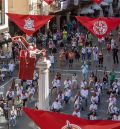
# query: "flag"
(29, 23)
(26, 66)
(97, 1)
(52, 120)
(101, 26)
(49, 1)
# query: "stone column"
(68, 16)
(58, 22)
(43, 83)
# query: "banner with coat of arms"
(101, 26)
(49, 1)
(29, 23)
(97, 1)
(64, 121)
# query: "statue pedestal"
(43, 84)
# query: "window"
(2, 12)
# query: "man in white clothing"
(56, 83)
(67, 83)
(76, 112)
(11, 68)
(56, 106)
(67, 95)
(84, 94)
(52, 60)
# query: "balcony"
(62, 5)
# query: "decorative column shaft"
(43, 83)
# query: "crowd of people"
(65, 48)
(87, 95)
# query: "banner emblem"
(100, 27)
(29, 24)
(70, 126)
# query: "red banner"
(64, 121)
(97, 1)
(49, 1)
(29, 23)
(99, 26)
(26, 66)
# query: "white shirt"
(89, 49)
(56, 83)
(11, 66)
(10, 94)
(84, 93)
(83, 50)
(95, 49)
(52, 59)
(13, 113)
(74, 78)
(76, 114)
(68, 93)
(56, 105)
(112, 100)
(61, 97)
(19, 90)
(73, 43)
(83, 84)
(31, 90)
(94, 99)
(28, 82)
(93, 107)
(92, 117)
(24, 96)
(67, 83)
(7, 35)
(78, 100)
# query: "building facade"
(18, 6)
(3, 16)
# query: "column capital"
(43, 64)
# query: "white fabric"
(56, 105)
(84, 93)
(67, 83)
(11, 67)
(76, 113)
(52, 59)
(68, 93)
(56, 83)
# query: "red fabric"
(22, 39)
(49, 1)
(26, 66)
(97, 1)
(29, 23)
(99, 26)
(58, 121)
